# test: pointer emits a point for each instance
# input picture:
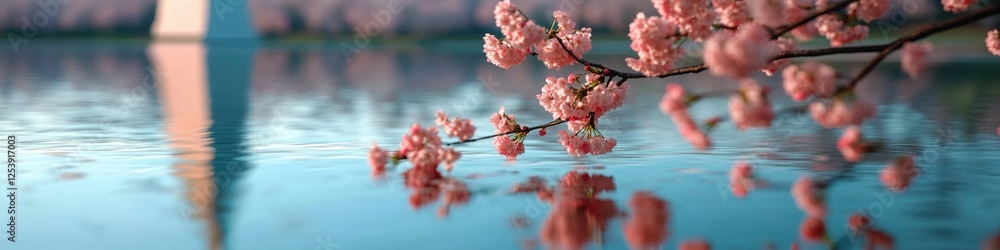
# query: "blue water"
(135, 145)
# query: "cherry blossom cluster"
(851, 145)
(898, 174)
(913, 59)
(521, 35)
(675, 103)
(731, 13)
(993, 42)
(842, 111)
(461, 128)
(654, 39)
(741, 179)
(809, 78)
(736, 55)
(693, 17)
(749, 107)
(956, 5)
(510, 143)
(861, 226)
(834, 29)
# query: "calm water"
(118, 142)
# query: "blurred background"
(281, 18)
(137, 130)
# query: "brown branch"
(529, 129)
(785, 29)
(922, 33)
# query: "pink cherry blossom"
(510, 146)
(461, 128)
(858, 222)
(455, 193)
(420, 141)
(502, 54)
(690, 131)
(653, 39)
(768, 12)
(809, 78)
(992, 243)
(850, 144)
(449, 156)
(732, 13)
(552, 54)
(956, 6)
(519, 32)
(692, 17)
(808, 197)
(579, 146)
(646, 228)
(674, 100)
(784, 44)
(993, 42)
(694, 245)
(377, 159)
(831, 27)
(741, 179)
(841, 113)
(736, 55)
(813, 229)
(869, 10)
(898, 174)
(914, 58)
(749, 107)
(796, 10)
(570, 100)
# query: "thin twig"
(922, 33)
(529, 129)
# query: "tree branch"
(549, 124)
(785, 29)
(922, 33)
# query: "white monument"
(202, 20)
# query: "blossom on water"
(694, 245)
(860, 225)
(898, 174)
(688, 129)
(732, 13)
(768, 12)
(809, 197)
(646, 228)
(377, 159)
(510, 146)
(653, 38)
(501, 53)
(858, 222)
(993, 42)
(692, 17)
(812, 229)
(741, 179)
(869, 10)
(784, 44)
(956, 6)
(461, 128)
(578, 212)
(809, 78)
(992, 243)
(749, 107)
(674, 99)
(736, 55)
(449, 156)
(834, 29)
(841, 112)
(914, 58)
(455, 193)
(552, 54)
(850, 144)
